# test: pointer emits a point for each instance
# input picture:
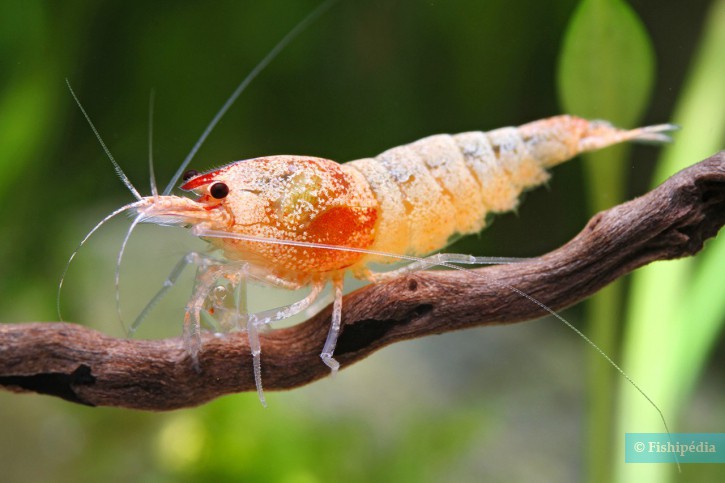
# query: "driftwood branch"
(87, 367)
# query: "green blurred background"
(494, 404)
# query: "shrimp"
(297, 221)
(300, 221)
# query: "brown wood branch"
(87, 367)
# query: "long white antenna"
(243, 85)
(117, 278)
(152, 175)
(93, 230)
(116, 166)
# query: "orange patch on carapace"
(340, 226)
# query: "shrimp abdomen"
(441, 186)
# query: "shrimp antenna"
(93, 230)
(117, 275)
(116, 166)
(152, 175)
(316, 13)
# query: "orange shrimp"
(299, 221)
(295, 221)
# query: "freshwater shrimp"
(296, 221)
(301, 221)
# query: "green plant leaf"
(606, 68)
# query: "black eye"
(219, 190)
(189, 174)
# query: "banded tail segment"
(443, 185)
(560, 138)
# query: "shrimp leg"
(206, 276)
(329, 348)
(190, 258)
(209, 270)
(266, 317)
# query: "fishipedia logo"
(676, 447)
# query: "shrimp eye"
(219, 190)
(189, 174)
